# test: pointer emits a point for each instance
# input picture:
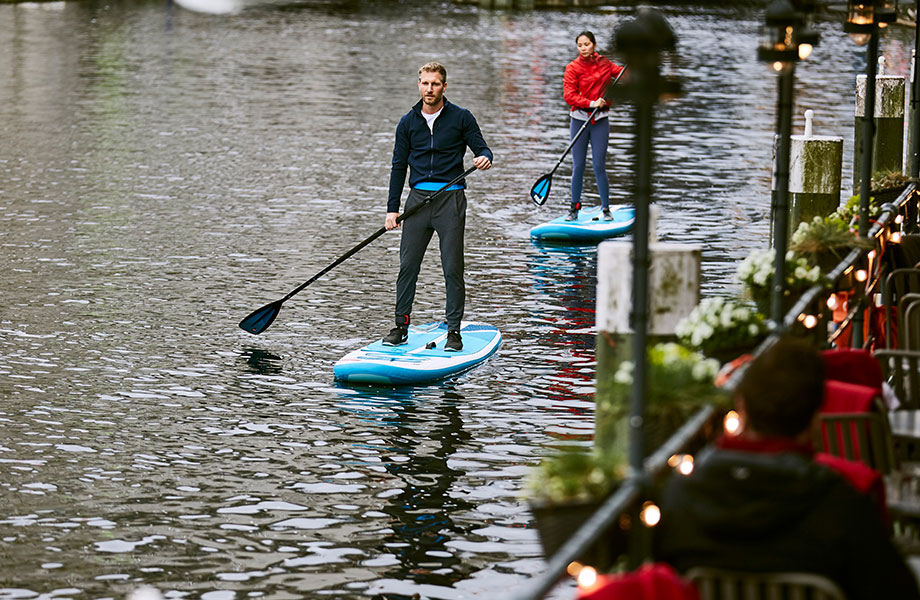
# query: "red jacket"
(586, 79)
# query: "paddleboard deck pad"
(422, 359)
(589, 227)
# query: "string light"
(650, 514)
(573, 568)
(587, 577)
(732, 423)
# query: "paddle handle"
(588, 120)
(377, 234)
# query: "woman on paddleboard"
(585, 81)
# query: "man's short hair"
(433, 67)
(783, 388)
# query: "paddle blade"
(540, 190)
(259, 320)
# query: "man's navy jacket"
(433, 156)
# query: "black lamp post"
(785, 40)
(915, 110)
(864, 17)
(642, 41)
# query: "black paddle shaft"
(377, 234)
(259, 320)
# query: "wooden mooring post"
(674, 291)
(888, 150)
(815, 167)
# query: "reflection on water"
(263, 361)
(165, 172)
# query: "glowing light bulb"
(805, 51)
(732, 423)
(833, 302)
(650, 514)
(587, 577)
(810, 321)
(862, 275)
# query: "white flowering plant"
(756, 273)
(676, 374)
(679, 381)
(718, 323)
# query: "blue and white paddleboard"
(589, 227)
(422, 359)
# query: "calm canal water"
(164, 172)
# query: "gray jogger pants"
(445, 215)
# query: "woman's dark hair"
(588, 35)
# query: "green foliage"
(575, 476)
(829, 235)
(881, 181)
(849, 212)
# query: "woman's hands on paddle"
(390, 222)
(598, 102)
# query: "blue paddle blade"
(540, 190)
(259, 320)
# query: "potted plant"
(565, 489)
(886, 187)
(679, 382)
(722, 328)
(568, 486)
(756, 274)
(825, 241)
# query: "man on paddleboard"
(431, 140)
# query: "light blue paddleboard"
(415, 362)
(589, 227)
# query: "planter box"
(556, 523)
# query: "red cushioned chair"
(851, 365)
(853, 424)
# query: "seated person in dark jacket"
(759, 502)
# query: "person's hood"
(738, 494)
